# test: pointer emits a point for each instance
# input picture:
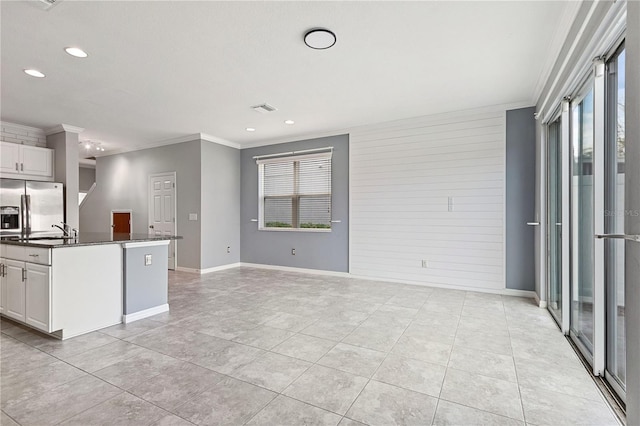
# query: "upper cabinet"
(26, 162)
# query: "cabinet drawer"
(28, 254)
(37, 255)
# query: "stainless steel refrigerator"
(30, 207)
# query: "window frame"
(295, 197)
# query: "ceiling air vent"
(48, 4)
(264, 108)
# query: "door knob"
(151, 226)
(113, 226)
(533, 223)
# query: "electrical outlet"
(228, 249)
(293, 252)
(424, 263)
(147, 259)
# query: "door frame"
(122, 211)
(175, 211)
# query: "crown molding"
(63, 128)
(173, 141)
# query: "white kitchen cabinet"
(26, 162)
(37, 296)
(15, 290)
(3, 294)
(10, 158)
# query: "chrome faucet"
(67, 226)
(64, 230)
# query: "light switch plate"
(147, 259)
(193, 216)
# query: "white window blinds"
(296, 192)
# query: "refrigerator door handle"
(28, 204)
(23, 213)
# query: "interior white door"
(162, 209)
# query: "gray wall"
(145, 286)
(220, 205)
(65, 146)
(520, 198)
(122, 183)
(632, 221)
(314, 250)
(87, 178)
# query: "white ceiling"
(162, 70)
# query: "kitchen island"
(71, 286)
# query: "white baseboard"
(208, 270)
(294, 269)
(540, 303)
(146, 313)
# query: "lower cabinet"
(15, 290)
(27, 287)
(37, 296)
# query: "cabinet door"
(38, 290)
(15, 290)
(10, 157)
(36, 161)
(3, 294)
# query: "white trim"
(292, 156)
(173, 141)
(146, 243)
(89, 192)
(566, 215)
(126, 319)
(540, 303)
(118, 211)
(350, 240)
(208, 270)
(23, 127)
(294, 269)
(385, 124)
(63, 128)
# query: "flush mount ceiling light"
(250, 129)
(76, 51)
(34, 73)
(319, 38)
(91, 146)
(289, 122)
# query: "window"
(295, 192)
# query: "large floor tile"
(486, 342)
(62, 402)
(172, 420)
(229, 402)
(411, 374)
(272, 371)
(290, 322)
(543, 407)
(176, 385)
(130, 372)
(122, 410)
(104, 356)
(26, 384)
(122, 331)
(263, 337)
(484, 363)
(374, 337)
(382, 404)
(329, 329)
(327, 388)
(5, 420)
(473, 390)
(231, 357)
(423, 349)
(307, 348)
(287, 411)
(66, 348)
(353, 359)
(450, 414)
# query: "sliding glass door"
(614, 221)
(554, 241)
(582, 221)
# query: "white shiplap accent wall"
(402, 174)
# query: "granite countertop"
(83, 239)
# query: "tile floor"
(259, 347)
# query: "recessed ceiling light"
(76, 51)
(319, 38)
(250, 129)
(34, 73)
(289, 122)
